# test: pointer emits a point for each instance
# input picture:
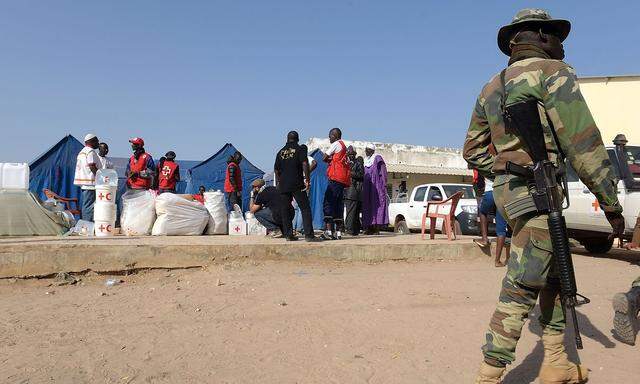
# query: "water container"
(14, 176)
(106, 193)
(83, 228)
(104, 212)
(253, 225)
(104, 228)
(107, 177)
(237, 225)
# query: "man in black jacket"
(292, 177)
(353, 194)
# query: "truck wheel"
(402, 228)
(598, 245)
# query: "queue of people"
(357, 185)
(354, 188)
(142, 172)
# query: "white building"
(413, 164)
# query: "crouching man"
(266, 207)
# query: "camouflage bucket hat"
(531, 16)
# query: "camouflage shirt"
(555, 84)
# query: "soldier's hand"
(617, 224)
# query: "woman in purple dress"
(375, 204)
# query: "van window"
(435, 194)
(614, 161)
(466, 189)
(420, 192)
(633, 159)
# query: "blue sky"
(190, 76)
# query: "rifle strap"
(503, 97)
(503, 102)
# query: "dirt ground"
(276, 322)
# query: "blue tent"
(211, 173)
(319, 182)
(55, 169)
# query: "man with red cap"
(141, 168)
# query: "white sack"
(138, 212)
(214, 203)
(179, 217)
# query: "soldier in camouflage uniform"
(534, 43)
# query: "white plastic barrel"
(106, 194)
(107, 177)
(14, 176)
(104, 212)
(104, 228)
(237, 224)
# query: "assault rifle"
(548, 186)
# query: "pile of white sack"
(214, 203)
(138, 212)
(145, 213)
(178, 216)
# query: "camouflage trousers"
(531, 276)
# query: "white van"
(586, 222)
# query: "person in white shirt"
(103, 151)
(87, 164)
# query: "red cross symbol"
(102, 228)
(237, 229)
(596, 205)
(102, 196)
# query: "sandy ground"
(394, 322)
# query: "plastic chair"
(66, 200)
(448, 217)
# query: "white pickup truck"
(586, 222)
(406, 215)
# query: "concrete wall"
(614, 102)
(403, 153)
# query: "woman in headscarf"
(375, 204)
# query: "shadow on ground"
(632, 257)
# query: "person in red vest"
(141, 168)
(168, 173)
(339, 173)
(233, 181)
(199, 197)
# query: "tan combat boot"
(556, 367)
(489, 374)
